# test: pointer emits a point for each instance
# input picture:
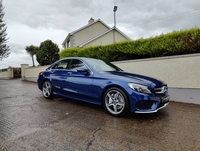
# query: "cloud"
(17, 48)
(25, 35)
(70, 15)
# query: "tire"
(47, 90)
(116, 102)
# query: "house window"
(68, 43)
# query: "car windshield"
(100, 65)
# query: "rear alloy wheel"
(116, 102)
(47, 90)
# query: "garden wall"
(7, 74)
(177, 71)
(31, 74)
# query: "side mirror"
(83, 69)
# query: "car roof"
(81, 58)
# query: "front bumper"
(143, 103)
(153, 111)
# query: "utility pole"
(114, 10)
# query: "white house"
(92, 34)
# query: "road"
(30, 122)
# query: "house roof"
(71, 33)
(114, 28)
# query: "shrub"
(4, 69)
(174, 43)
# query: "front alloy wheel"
(47, 90)
(115, 102)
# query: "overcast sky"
(30, 22)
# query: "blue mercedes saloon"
(98, 82)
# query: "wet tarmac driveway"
(30, 122)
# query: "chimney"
(91, 20)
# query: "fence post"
(23, 68)
(10, 73)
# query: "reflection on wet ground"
(30, 122)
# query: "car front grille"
(160, 91)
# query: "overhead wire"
(169, 19)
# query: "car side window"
(75, 63)
(61, 65)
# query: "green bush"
(174, 43)
(5, 69)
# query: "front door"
(79, 84)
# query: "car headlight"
(139, 88)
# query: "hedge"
(3, 70)
(174, 43)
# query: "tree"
(32, 50)
(4, 49)
(47, 53)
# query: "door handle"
(69, 73)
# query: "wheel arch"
(117, 86)
(46, 79)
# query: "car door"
(58, 75)
(79, 84)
